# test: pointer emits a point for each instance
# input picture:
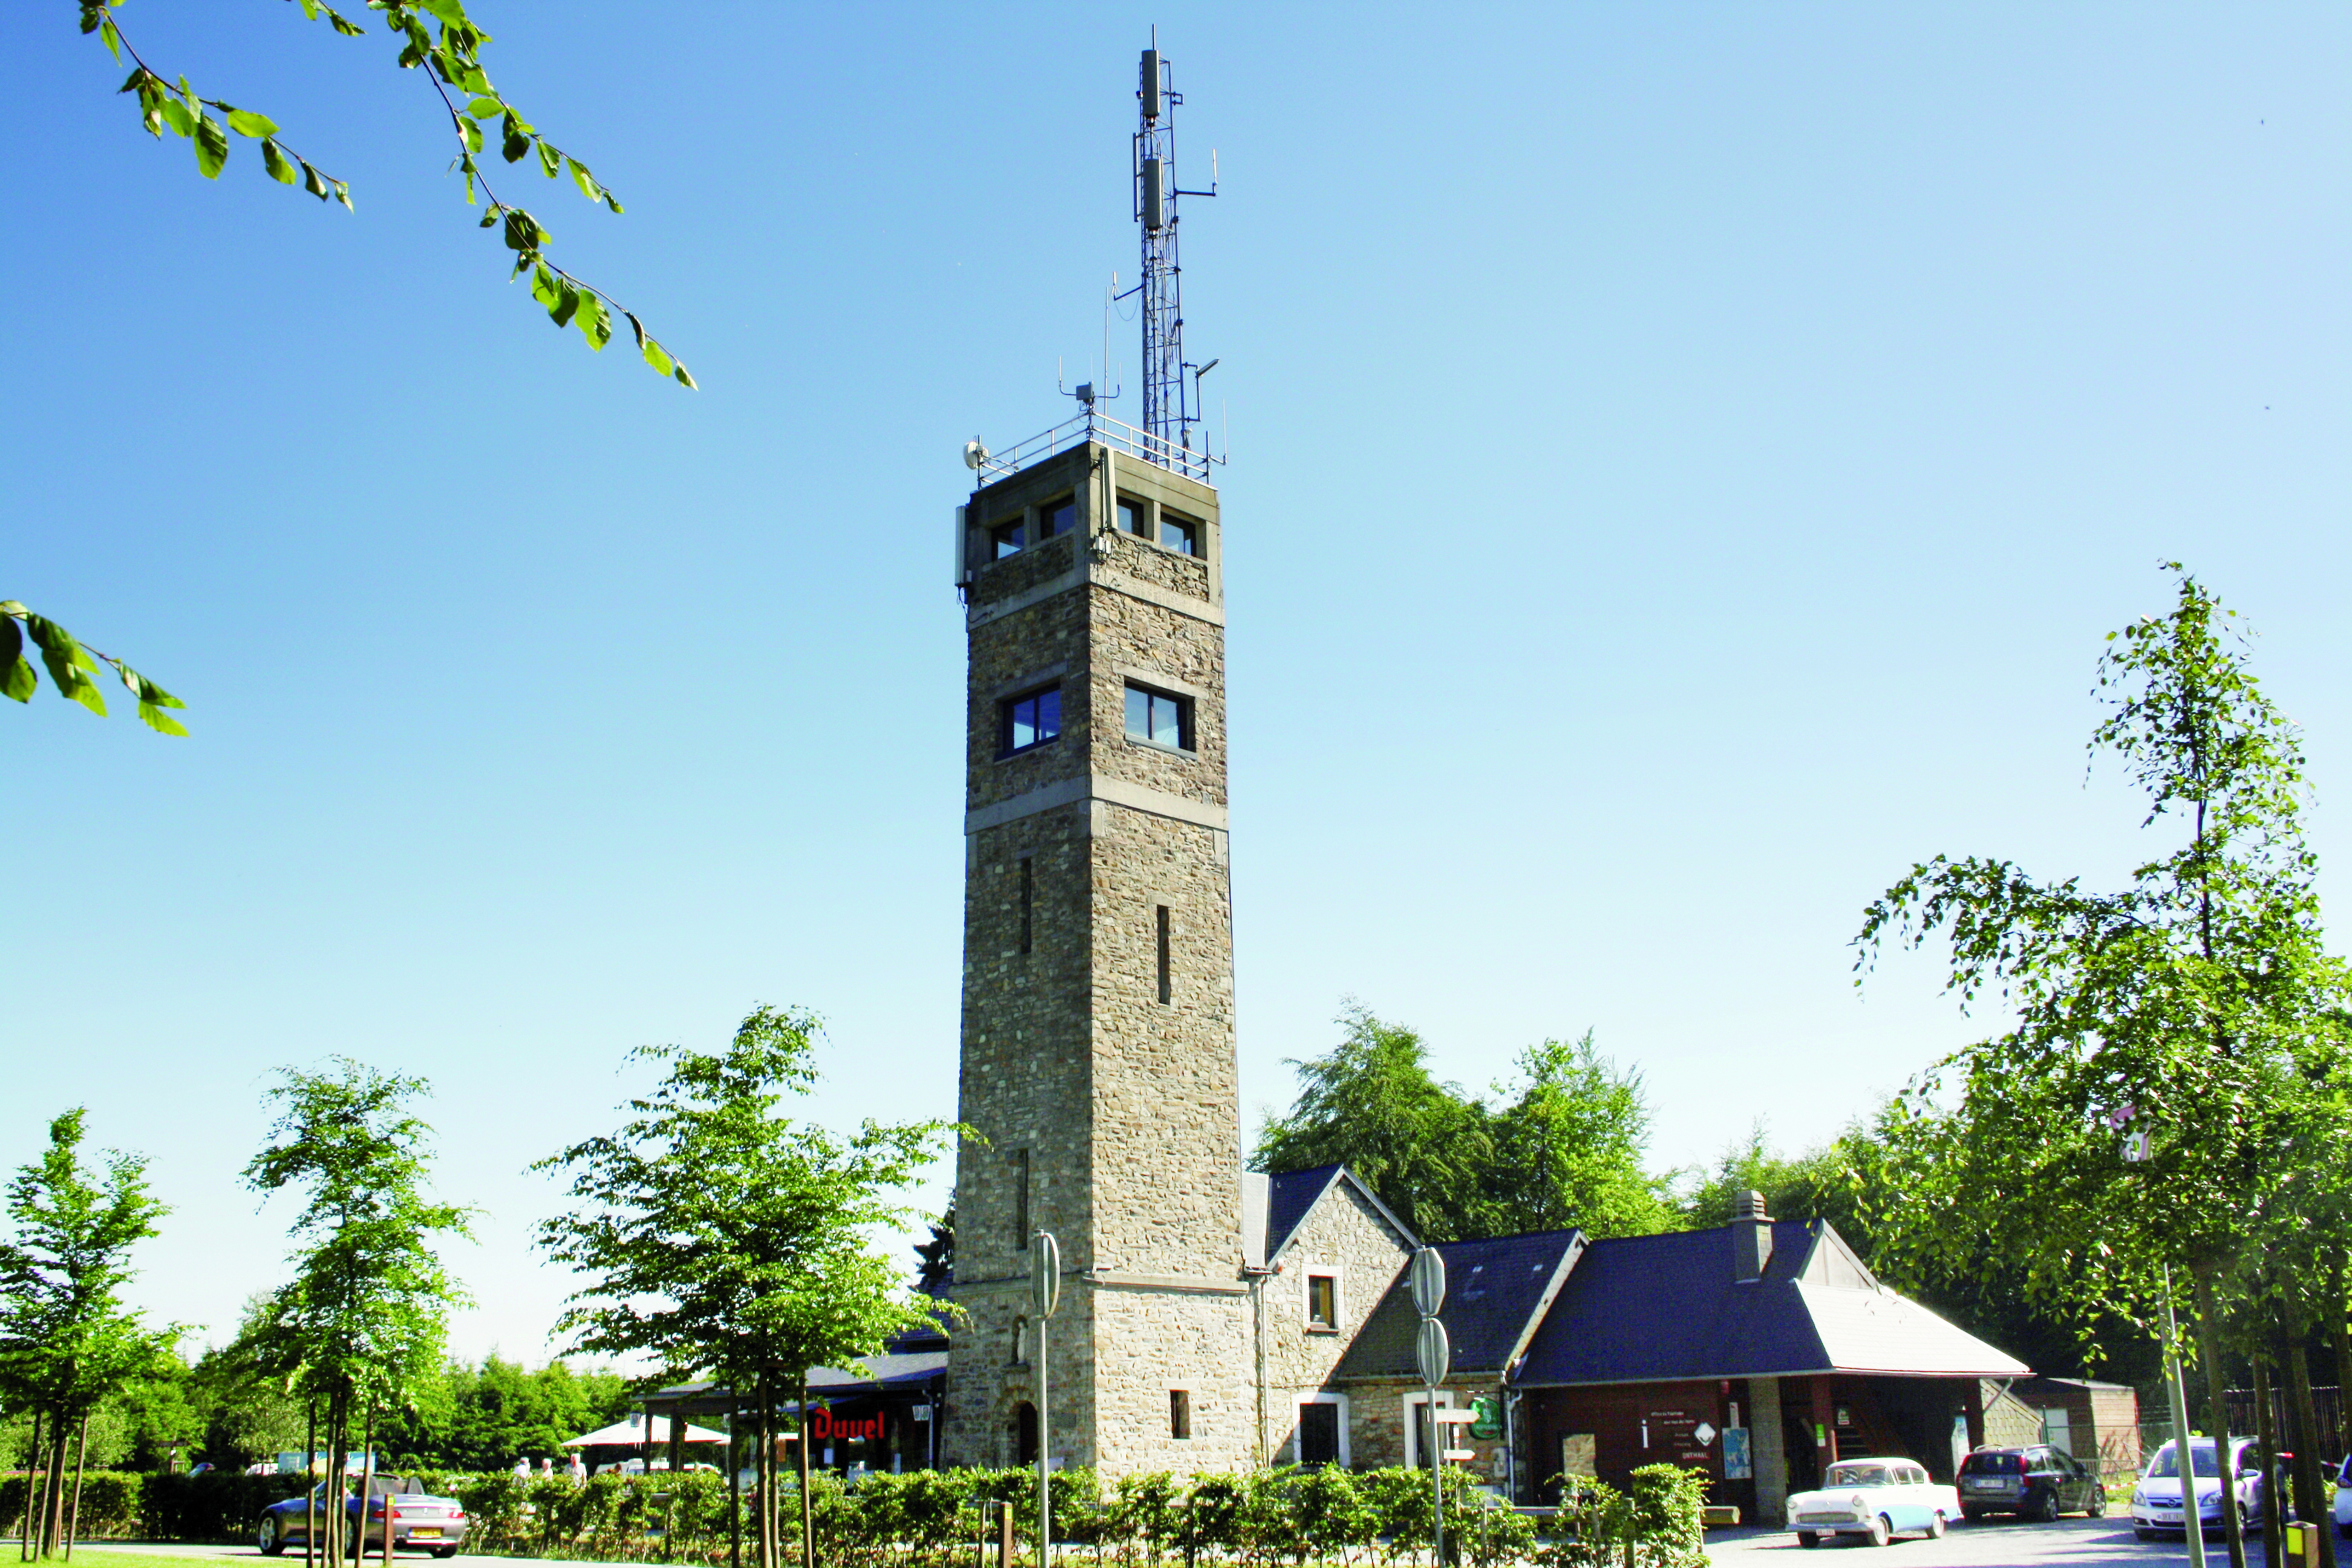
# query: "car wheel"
(1936, 1525)
(445, 1552)
(1807, 1538)
(1881, 1531)
(2095, 1506)
(273, 1535)
(2047, 1511)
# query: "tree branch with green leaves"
(439, 36)
(71, 664)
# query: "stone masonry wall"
(1345, 1234)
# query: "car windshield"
(2168, 1461)
(1992, 1465)
(1857, 1476)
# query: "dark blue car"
(420, 1521)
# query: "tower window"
(1323, 1301)
(1157, 717)
(1179, 534)
(1020, 1159)
(1165, 990)
(1180, 1412)
(1056, 517)
(1133, 519)
(1030, 720)
(1006, 539)
(1028, 903)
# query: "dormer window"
(1029, 721)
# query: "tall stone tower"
(1098, 1058)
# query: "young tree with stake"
(67, 1340)
(718, 1238)
(366, 1313)
(2194, 1013)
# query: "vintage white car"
(1880, 1499)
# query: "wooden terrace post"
(1825, 1424)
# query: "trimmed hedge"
(1256, 1519)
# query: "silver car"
(420, 1521)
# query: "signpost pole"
(1435, 1355)
(1045, 1291)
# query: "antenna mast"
(1169, 404)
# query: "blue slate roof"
(1662, 1309)
(1496, 1293)
(1291, 1196)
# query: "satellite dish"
(974, 454)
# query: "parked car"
(2038, 1482)
(420, 1520)
(1876, 1499)
(2156, 1499)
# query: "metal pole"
(2192, 1518)
(1044, 1473)
(1436, 1477)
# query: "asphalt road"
(2076, 1542)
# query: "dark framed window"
(1181, 534)
(1005, 539)
(1160, 718)
(1134, 518)
(1057, 517)
(1180, 1412)
(1322, 1301)
(1029, 721)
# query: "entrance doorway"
(1318, 1435)
(1024, 1433)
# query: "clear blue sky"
(1685, 460)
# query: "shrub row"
(1255, 1518)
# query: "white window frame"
(1298, 1436)
(1412, 1459)
(1307, 1275)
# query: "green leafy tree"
(361, 1325)
(1561, 1146)
(1567, 1147)
(1372, 1104)
(68, 1343)
(2192, 1016)
(717, 1236)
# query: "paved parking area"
(2076, 1542)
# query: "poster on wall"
(1579, 1454)
(1736, 1467)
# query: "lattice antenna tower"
(1171, 385)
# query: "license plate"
(1984, 1486)
(424, 1530)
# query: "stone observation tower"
(1098, 1049)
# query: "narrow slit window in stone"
(1164, 990)
(1020, 1158)
(1028, 903)
(1180, 1412)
